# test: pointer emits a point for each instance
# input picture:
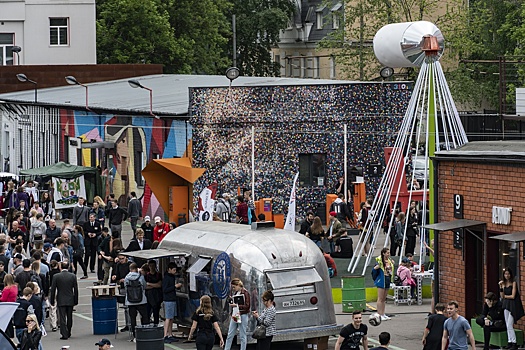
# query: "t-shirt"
(435, 326)
(352, 336)
(457, 333)
(202, 324)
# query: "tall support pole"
(253, 162)
(345, 162)
(234, 29)
(432, 134)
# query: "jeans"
(509, 321)
(133, 222)
(233, 329)
(205, 340)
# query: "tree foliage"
(190, 36)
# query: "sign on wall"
(67, 191)
(458, 238)
(458, 206)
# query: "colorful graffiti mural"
(121, 146)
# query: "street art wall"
(295, 128)
(121, 146)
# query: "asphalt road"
(406, 326)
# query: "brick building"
(483, 181)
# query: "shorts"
(387, 282)
(170, 309)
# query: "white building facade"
(48, 32)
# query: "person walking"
(456, 330)
(64, 291)
(205, 321)
(77, 242)
(512, 306)
(382, 275)
(267, 319)
(434, 331)
(240, 306)
(116, 215)
(134, 211)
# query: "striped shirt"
(267, 318)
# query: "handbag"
(499, 324)
(259, 332)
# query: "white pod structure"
(401, 44)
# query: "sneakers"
(83, 277)
(385, 318)
(125, 329)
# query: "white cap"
(147, 218)
(157, 219)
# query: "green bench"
(496, 338)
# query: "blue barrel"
(104, 315)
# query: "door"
(474, 263)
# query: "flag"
(207, 202)
(290, 218)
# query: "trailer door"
(296, 297)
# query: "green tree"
(135, 31)
(203, 29)
(258, 25)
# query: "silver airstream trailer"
(263, 257)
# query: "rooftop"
(170, 92)
(492, 149)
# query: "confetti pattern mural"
(125, 145)
(289, 121)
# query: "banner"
(67, 191)
(207, 202)
(290, 218)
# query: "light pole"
(232, 73)
(24, 79)
(136, 84)
(71, 80)
(17, 49)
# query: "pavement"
(406, 326)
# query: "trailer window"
(194, 270)
(291, 278)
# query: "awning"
(454, 225)
(290, 278)
(160, 174)
(154, 253)
(199, 265)
(511, 237)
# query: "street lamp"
(24, 79)
(232, 73)
(136, 84)
(71, 80)
(17, 49)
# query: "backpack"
(397, 280)
(36, 279)
(134, 290)
(38, 233)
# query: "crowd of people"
(290, 121)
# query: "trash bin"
(354, 293)
(104, 310)
(149, 337)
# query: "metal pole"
(253, 162)
(345, 162)
(234, 29)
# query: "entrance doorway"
(474, 255)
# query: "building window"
(312, 169)
(335, 20)
(58, 31)
(319, 20)
(6, 49)
(335, 15)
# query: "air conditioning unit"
(501, 215)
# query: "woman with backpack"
(77, 243)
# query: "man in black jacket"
(305, 225)
(65, 283)
(92, 230)
(140, 243)
(19, 318)
(169, 291)
(116, 215)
